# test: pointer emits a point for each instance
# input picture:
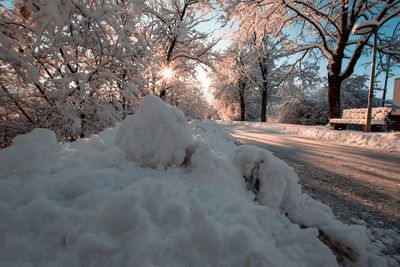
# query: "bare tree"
(267, 75)
(325, 26)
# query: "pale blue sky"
(6, 3)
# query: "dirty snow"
(145, 194)
(389, 141)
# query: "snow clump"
(157, 135)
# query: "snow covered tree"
(309, 105)
(254, 73)
(232, 82)
(77, 67)
(186, 94)
(72, 66)
(171, 30)
(300, 98)
(325, 26)
(267, 75)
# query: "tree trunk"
(264, 95)
(242, 109)
(334, 84)
(163, 94)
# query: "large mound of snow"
(95, 203)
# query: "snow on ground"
(388, 141)
(157, 191)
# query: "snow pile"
(156, 135)
(124, 198)
(388, 141)
(26, 156)
(276, 186)
(216, 136)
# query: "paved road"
(356, 182)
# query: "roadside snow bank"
(106, 201)
(388, 141)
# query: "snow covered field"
(157, 191)
(388, 141)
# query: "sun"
(167, 73)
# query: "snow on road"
(386, 141)
(125, 198)
(359, 183)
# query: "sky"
(217, 30)
(202, 76)
(6, 3)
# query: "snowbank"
(388, 141)
(137, 196)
